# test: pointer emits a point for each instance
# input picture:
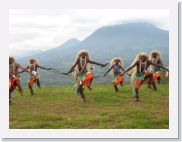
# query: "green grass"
(58, 107)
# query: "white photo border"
(171, 133)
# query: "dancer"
(83, 76)
(115, 70)
(141, 72)
(14, 78)
(34, 77)
(155, 57)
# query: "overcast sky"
(45, 29)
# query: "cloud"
(45, 29)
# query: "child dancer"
(155, 57)
(83, 76)
(115, 70)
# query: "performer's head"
(83, 54)
(155, 54)
(117, 61)
(33, 61)
(143, 57)
(11, 60)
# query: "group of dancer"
(144, 68)
(14, 75)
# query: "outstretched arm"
(72, 68)
(108, 71)
(22, 68)
(124, 70)
(121, 68)
(43, 67)
(159, 66)
(128, 69)
(99, 64)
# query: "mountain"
(124, 40)
(52, 55)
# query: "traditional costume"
(116, 71)
(12, 77)
(84, 76)
(140, 76)
(157, 60)
(34, 77)
(12, 81)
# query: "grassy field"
(57, 107)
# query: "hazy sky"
(44, 29)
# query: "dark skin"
(137, 63)
(14, 72)
(35, 68)
(83, 55)
(159, 62)
(120, 67)
(17, 67)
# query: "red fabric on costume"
(12, 81)
(118, 80)
(148, 73)
(87, 79)
(138, 82)
(32, 81)
(157, 75)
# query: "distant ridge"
(124, 40)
